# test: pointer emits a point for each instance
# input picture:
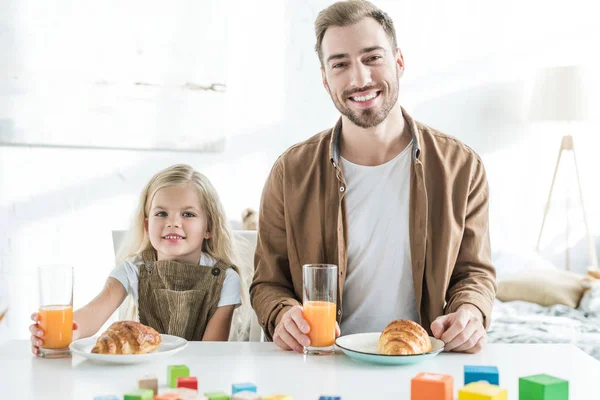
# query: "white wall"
(469, 72)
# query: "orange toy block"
(482, 391)
(167, 396)
(181, 394)
(148, 382)
(426, 386)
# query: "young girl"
(176, 264)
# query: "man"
(401, 208)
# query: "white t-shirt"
(379, 281)
(127, 273)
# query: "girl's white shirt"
(128, 274)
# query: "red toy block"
(190, 382)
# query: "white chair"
(245, 245)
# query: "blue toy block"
(243, 387)
(476, 373)
(330, 398)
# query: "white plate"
(169, 346)
(363, 346)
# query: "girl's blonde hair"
(219, 246)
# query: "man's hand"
(461, 331)
(290, 333)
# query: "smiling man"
(401, 208)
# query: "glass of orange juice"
(55, 315)
(319, 283)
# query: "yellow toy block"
(481, 391)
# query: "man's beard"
(369, 117)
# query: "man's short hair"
(344, 13)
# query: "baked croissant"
(403, 337)
(127, 337)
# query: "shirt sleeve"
(473, 279)
(127, 274)
(230, 293)
(272, 289)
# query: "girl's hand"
(37, 334)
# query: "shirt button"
(339, 312)
(342, 188)
(341, 273)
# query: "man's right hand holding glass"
(291, 331)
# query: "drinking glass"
(319, 283)
(56, 310)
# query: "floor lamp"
(559, 96)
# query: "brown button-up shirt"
(303, 220)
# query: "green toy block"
(176, 371)
(543, 387)
(217, 396)
(140, 394)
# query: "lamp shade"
(559, 94)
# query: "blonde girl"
(176, 265)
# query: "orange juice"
(320, 315)
(57, 324)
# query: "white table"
(218, 365)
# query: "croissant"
(403, 337)
(127, 337)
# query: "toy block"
(176, 371)
(148, 382)
(482, 391)
(477, 373)
(140, 394)
(189, 394)
(190, 382)
(278, 397)
(167, 396)
(243, 387)
(543, 387)
(110, 397)
(246, 396)
(330, 398)
(425, 386)
(217, 396)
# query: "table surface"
(219, 364)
